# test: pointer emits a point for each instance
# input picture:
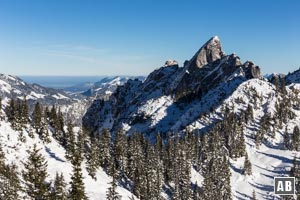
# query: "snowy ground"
(268, 161)
(16, 152)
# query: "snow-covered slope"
(16, 152)
(190, 98)
(175, 99)
(269, 160)
(14, 87)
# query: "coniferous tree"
(158, 182)
(37, 117)
(295, 172)
(217, 174)
(167, 162)
(61, 134)
(77, 189)
(9, 180)
(136, 165)
(150, 162)
(112, 193)
(247, 166)
(59, 191)
(249, 114)
(11, 113)
(93, 158)
(24, 112)
(176, 194)
(286, 139)
(53, 121)
(119, 149)
(184, 167)
(70, 142)
(257, 139)
(52, 115)
(104, 147)
(81, 142)
(43, 132)
(253, 195)
(35, 174)
(57, 122)
(296, 138)
(2, 155)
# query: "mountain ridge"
(209, 68)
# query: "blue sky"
(131, 37)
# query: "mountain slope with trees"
(212, 129)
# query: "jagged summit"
(208, 53)
(208, 68)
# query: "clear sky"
(134, 37)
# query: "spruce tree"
(217, 174)
(43, 132)
(77, 189)
(120, 150)
(37, 117)
(296, 138)
(61, 134)
(25, 112)
(253, 195)
(104, 147)
(295, 172)
(35, 174)
(59, 191)
(112, 193)
(247, 166)
(286, 139)
(93, 158)
(70, 142)
(249, 114)
(11, 113)
(9, 180)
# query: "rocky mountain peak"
(210, 67)
(208, 53)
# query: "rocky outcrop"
(171, 63)
(208, 53)
(251, 70)
(293, 77)
(208, 68)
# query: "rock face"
(208, 53)
(208, 67)
(155, 104)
